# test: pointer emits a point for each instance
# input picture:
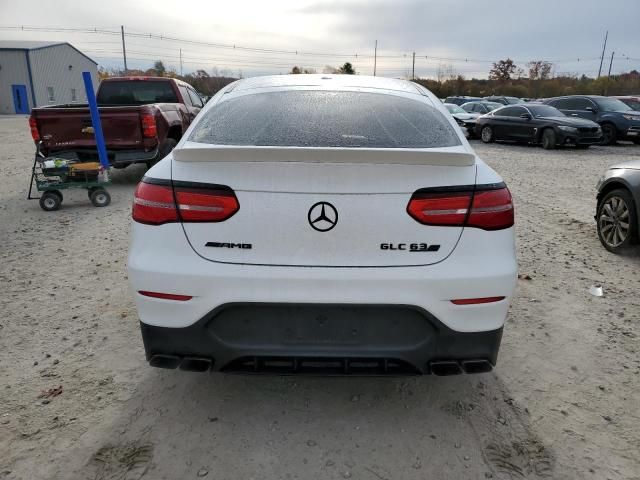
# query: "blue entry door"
(20, 100)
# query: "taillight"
(488, 209)
(149, 128)
(491, 210)
(33, 124)
(440, 208)
(155, 204)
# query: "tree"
(296, 70)
(330, 69)
(347, 69)
(539, 70)
(159, 67)
(502, 70)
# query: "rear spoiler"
(447, 156)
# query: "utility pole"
(181, 62)
(610, 65)
(124, 50)
(413, 67)
(603, 50)
(375, 58)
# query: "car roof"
(331, 81)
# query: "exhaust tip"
(477, 366)
(164, 361)
(193, 364)
(446, 367)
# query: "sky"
(271, 36)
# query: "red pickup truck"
(142, 120)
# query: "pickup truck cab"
(617, 119)
(142, 118)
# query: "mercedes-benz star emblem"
(322, 216)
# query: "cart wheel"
(100, 197)
(58, 193)
(50, 201)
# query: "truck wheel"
(165, 149)
(50, 200)
(549, 139)
(609, 134)
(100, 197)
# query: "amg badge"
(242, 246)
(410, 247)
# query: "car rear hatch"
(322, 207)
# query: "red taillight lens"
(448, 209)
(33, 125)
(149, 128)
(477, 301)
(485, 209)
(166, 296)
(156, 204)
(202, 205)
(491, 210)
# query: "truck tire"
(165, 149)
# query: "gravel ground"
(77, 399)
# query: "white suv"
(323, 223)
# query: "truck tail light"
(157, 204)
(488, 209)
(149, 128)
(33, 124)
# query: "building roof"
(35, 45)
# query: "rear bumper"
(116, 157)
(321, 338)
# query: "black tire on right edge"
(604, 224)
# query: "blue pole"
(95, 120)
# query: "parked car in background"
(632, 100)
(143, 118)
(617, 119)
(459, 100)
(480, 107)
(617, 207)
(463, 118)
(539, 124)
(290, 234)
(503, 100)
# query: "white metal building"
(35, 74)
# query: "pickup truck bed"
(137, 133)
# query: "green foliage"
(347, 69)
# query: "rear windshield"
(135, 92)
(303, 118)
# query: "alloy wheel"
(614, 221)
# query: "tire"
(617, 220)
(609, 134)
(100, 197)
(50, 200)
(487, 135)
(548, 139)
(165, 149)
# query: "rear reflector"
(490, 209)
(166, 296)
(155, 204)
(476, 301)
(33, 125)
(149, 129)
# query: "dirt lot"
(563, 402)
